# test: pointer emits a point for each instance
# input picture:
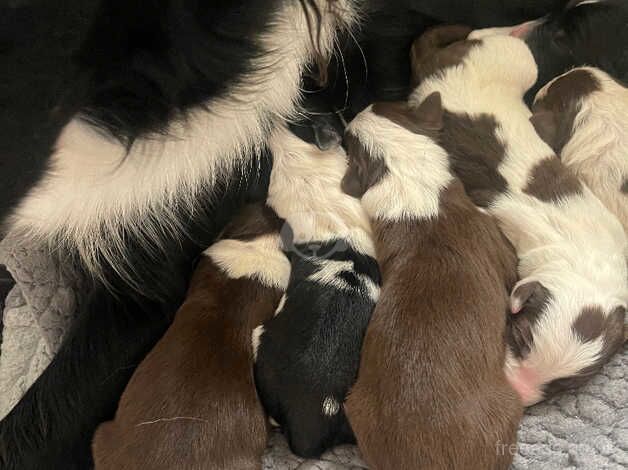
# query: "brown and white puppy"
(583, 116)
(569, 305)
(431, 390)
(192, 402)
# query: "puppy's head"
(585, 32)
(437, 49)
(558, 343)
(373, 131)
(478, 63)
(569, 103)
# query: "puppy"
(583, 116)
(307, 355)
(192, 402)
(431, 374)
(583, 32)
(569, 306)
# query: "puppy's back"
(192, 402)
(431, 391)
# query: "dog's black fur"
(310, 350)
(592, 34)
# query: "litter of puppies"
(413, 278)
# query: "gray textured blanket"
(587, 429)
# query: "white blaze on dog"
(94, 191)
(565, 238)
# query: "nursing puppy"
(569, 306)
(192, 402)
(307, 356)
(583, 32)
(583, 116)
(431, 375)
(131, 133)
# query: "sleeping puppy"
(583, 116)
(584, 32)
(307, 356)
(192, 403)
(569, 306)
(431, 375)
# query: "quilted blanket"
(585, 429)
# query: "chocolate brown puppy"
(431, 391)
(192, 404)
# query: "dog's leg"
(52, 426)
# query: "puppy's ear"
(544, 123)
(351, 182)
(429, 114)
(528, 292)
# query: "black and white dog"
(158, 135)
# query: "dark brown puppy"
(431, 391)
(192, 404)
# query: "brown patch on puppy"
(624, 187)
(192, 402)
(554, 115)
(590, 324)
(438, 49)
(254, 220)
(431, 374)
(363, 171)
(475, 154)
(419, 120)
(533, 298)
(551, 181)
(613, 332)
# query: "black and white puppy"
(308, 354)
(584, 32)
(131, 132)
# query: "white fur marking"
(256, 339)
(331, 406)
(282, 304)
(260, 259)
